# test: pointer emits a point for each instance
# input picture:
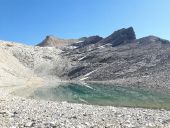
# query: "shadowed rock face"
(85, 41)
(121, 36)
(52, 41)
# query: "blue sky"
(29, 21)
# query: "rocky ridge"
(52, 41)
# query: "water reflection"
(102, 94)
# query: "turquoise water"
(100, 94)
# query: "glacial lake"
(105, 95)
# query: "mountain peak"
(152, 39)
(124, 35)
(51, 37)
(52, 41)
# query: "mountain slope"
(140, 62)
(12, 71)
(45, 62)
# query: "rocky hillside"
(122, 58)
(12, 70)
(118, 58)
(45, 62)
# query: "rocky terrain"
(41, 61)
(122, 58)
(17, 112)
(119, 58)
(12, 71)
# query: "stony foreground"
(16, 112)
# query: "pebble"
(29, 124)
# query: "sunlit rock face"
(52, 41)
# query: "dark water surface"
(100, 94)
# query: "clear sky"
(29, 21)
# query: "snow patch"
(89, 73)
(146, 76)
(86, 85)
(82, 58)
(79, 42)
(101, 47)
(84, 78)
(72, 47)
(83, 100)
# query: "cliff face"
(121, 36)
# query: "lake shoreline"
(18, 111)
(102, 94)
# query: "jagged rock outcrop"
(121, 36)
(88, 41)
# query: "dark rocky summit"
(121, 36)
(88, 41)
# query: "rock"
(167, 121)
(50, 125)
(80, 126)
(87, 123)
(74, 117)
(3, 113)
(85, 114)
(151, 124)
(108, 125)
(88, 41)
(29, 124)
(103, 119)
(129, 125)
(13, 114)
(119, 37)
(51, 41)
